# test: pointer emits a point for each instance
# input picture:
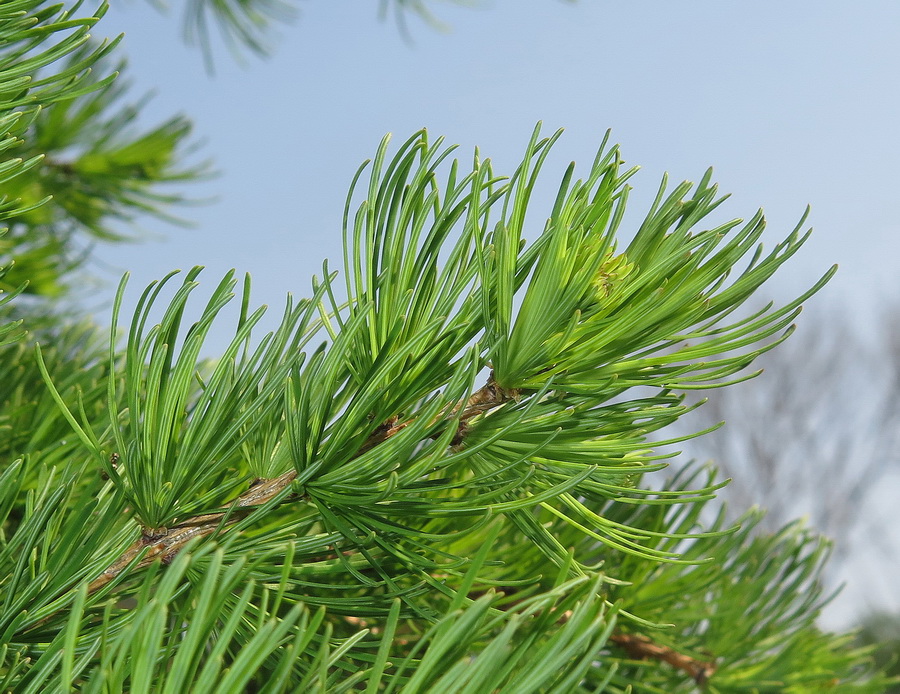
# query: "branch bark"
(641, 647)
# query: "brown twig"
(641, 647)
(165, 543)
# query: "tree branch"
(641, 647)
(165, 543)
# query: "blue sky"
(791, 103)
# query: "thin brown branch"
(641, 647)
(165, 543)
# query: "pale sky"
(791, 103)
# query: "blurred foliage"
(250, 25)
(95, 170)
(881, 632)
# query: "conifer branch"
(165, 543)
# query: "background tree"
(883, 631)
(816, 434)
(428, 478)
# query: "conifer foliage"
(436, 474)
